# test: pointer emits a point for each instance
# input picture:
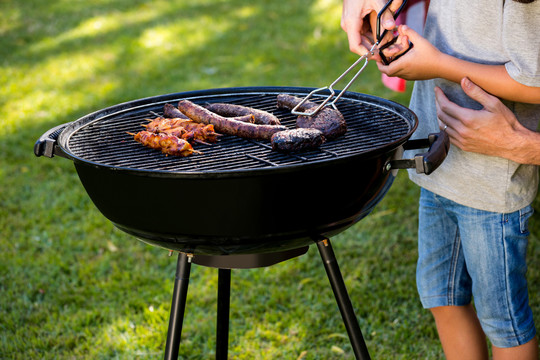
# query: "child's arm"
(424, 61)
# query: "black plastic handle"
(387, 60)
(425, 163)
(379, 14)
(46, 145)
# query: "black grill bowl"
(239, 196)
(262, 211)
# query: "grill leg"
(343, 300)
(223, 306)
(181, 282)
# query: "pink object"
(394, 83)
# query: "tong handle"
(384, 59)
(387, 60)
(379, 14)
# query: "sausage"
(297, 139)
(261, 117)
(169, 111)
(226, 125)
(328, 120)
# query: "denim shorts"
(465, 254)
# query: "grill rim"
(122, 108)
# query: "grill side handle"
(425, 163)
(46, 145)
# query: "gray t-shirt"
(490, 32)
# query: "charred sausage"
(261, 117)
(169, 111)
(226, 125)
(328, 120)
(297, 140)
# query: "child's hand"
(400, 46)
(420, 63)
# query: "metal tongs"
(363, 58)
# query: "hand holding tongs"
(364, 58)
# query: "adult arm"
(494, 130)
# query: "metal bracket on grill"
(46, 145)
(247, 261)
(425, 163)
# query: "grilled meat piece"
(297, 140)
(261, 117)
(183, 128)
(226, 125)
(328, 120)
(168, 144)
(169, 111)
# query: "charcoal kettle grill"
(249, 206)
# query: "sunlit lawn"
(74, 287)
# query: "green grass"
(74, 287)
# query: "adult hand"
(358, 20)
(493, 130)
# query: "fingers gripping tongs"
(332, 99)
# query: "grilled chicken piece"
(168, 144)
(183, 128)
(297, 140)
(328, 120)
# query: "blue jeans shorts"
(465, 253)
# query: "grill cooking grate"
(105, 141)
